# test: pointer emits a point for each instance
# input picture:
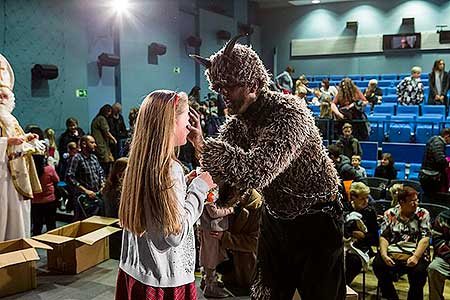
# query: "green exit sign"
(177, 70)
(81, 93)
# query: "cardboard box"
(351, 295)
(79, 246)
(18, 265)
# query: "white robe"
(15, 213)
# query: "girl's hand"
(195, 135)
(208, 179)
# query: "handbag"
(401, 251)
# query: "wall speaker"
(155, 50)
(194, 41)
(223, 35)
(444, 37)
(107, 60)
(245, 29)
(46, 72)
(352, 25)
(408, 21)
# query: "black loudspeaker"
(107, 60)
(194, 41)
(223, 35)
(46, 72)
(155, 50)
(245, 29)
(444, 37)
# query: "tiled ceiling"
(286, 3)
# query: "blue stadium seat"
(315, 109)
(336, 77)
(359, 84)
(403, 75)
(427, 126)
(314, 84)
(405, 152)
(335, 83)
(425, 82)
(320, 77)
(392, 91)
(424, 76)
(390, 99)
(354, 77)
(426, 91)
(388, 77)
(369, 150)
(401, 129)
(408, 109)
(370, 166)
(401, 169)
(414, 169)
(310, 78)
(384, 83)
(370, 76)
(377, 127)
(367, 109)
(433, 110)
(384, 108)
(364, 83)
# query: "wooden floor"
(98, 283)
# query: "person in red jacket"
(43, 205)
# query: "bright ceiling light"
(120, 6)
(315, 1)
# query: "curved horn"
(201, 60)
(230, 45)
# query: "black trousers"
(417, 277)
(353, 266)
(43, 213)
(304, 254)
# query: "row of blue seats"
(394, 109)
(367, 77)
(362, 84)
(413, 174)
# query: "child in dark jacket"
(386, 169)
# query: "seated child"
(356, 163)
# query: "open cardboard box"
(18, 265)
(79, 246)
(351, 295)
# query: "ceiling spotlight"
(315, 1)
(120, 6)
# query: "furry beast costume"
(275, 147)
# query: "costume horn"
(201, 60)
(230, 45)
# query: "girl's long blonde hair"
(147, 197)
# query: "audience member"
(342, 164)
(325, 118)
(72, 149)
(284, 80)
(351, 109)
(158, 251)
(213, 219)
(433, 175)
(373, 93)
(52, 149)
(85, 175)
(301, 93)
(349, 144)
(117, 128)
(439, 269)
(359, 213)
(393, 190)
(302, 82)
(386, 169)
(410, 89)
(319, 96)
(326, 88)
(101, 133)
(439, 84)
(194, 95)
(111, 192)
(356, 163)
(73, 133)
(44, 204)
(404, 242)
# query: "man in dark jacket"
(433, 177)
(342, 164)
(117, 128)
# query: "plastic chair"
(370, 76)
(377, 127)
(336, 77)
(401, 170)
(376, 182)
(414, 170)
(408, 109)
(433, 209)
(354, 77)
(427, 126)
(388, 76)
(390, 99)
(370, 166)
(433, 110)
(320, 77)
(402, 129)
(385, 108)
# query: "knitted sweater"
(167, 261)
(441, 236)
(273, 147)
